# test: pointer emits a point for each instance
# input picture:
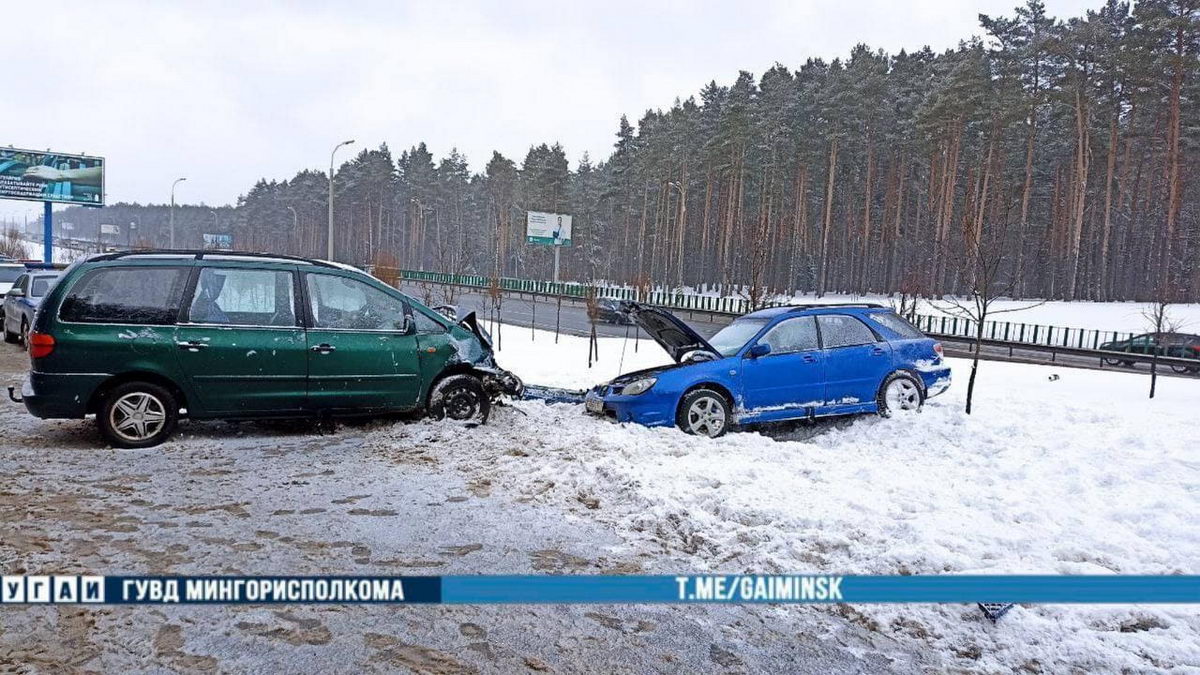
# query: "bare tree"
(13, 246)
(1159, 318)
(987, 280)
(908, 295)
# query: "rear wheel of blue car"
(703, 412)
(900, 392)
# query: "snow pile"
(1079, 475)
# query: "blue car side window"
(793, 335)
(840, 330)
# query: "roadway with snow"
(1079, 474)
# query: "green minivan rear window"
(133, 295)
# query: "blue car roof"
(772, 312)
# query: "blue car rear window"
(897, 324)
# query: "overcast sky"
(227, 92)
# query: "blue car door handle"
(809, 358)
(878, 351)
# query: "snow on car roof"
(772, 312)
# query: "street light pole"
(329, 234)
(172, 217)
(682, 223)
(295, 228)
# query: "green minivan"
(140, 338)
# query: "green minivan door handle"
(323, 348)
(192, 345)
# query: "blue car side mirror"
(758, 350)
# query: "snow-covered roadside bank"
(1078, 475)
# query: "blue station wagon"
(777, 364)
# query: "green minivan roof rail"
(200, 254)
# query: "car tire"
(900, 392)
(704, 412)
(24, 335)
(460, 398)
(10, 338)
(1112, 362)
(137, 415)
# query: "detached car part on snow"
(776, 364)
(137, 338)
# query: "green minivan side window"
(350, 304)
(126, 295)
(234, 296)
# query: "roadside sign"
(548, 229)
(51, 177)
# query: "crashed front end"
(477, 351)
(649, 405)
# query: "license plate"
(594, 405)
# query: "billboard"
(218, 241)
(106, 228)
(550, 229)
(51, 177)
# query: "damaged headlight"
(639, 386)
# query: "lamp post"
(129, 233)
(329, 234)
(682, 226)
(172, 216)
(295, 228)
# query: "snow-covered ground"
(1079, 474)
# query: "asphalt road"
(523, 310)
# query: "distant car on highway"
(21, 302)
(1182, 345)
(609, 310)
(10, 271)
(777, 364)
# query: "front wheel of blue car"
(900, 392)
(703, 412)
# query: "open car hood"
(472, 324)
(673, 335)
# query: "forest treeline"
(1066, 150)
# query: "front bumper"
(651, 409)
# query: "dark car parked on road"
(21, 303)
(608, 310)
(1180, 345)
(137, 337)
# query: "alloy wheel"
(137, 416)
(902, 394)
(706, 417)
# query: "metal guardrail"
(1008, 331)
(1105, 356)
(1051, 340)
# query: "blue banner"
(643, 589)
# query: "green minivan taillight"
(40, 345)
